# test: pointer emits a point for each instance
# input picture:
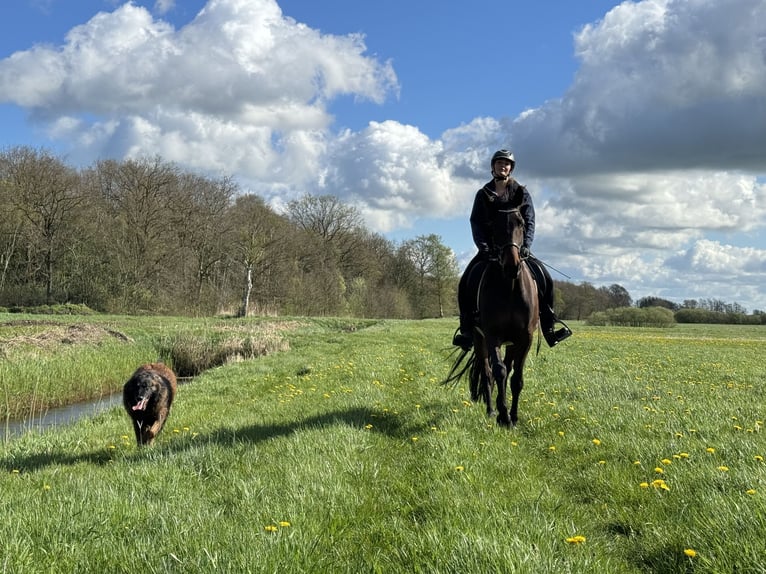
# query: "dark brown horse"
(508, 316)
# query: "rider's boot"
(547, 321)
(464, 335)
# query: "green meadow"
(337, 449)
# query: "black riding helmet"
(502, 154)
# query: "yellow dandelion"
(46, 486)
(596, 441)
(666, 461)
(368, 426)
(637, 462)
(690, 553)
(758, 457)
(710, 449)
(459, 468)
(514, 443)
(644, 485)
(414, 439)
(683, 455)
(552, 448)
(578, 539)
(270, 528)
(751, 491)
(723, 468)
(284, 524)
(659, 470)
(602, 462)
(561, 433)
(15, 471)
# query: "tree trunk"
(248, 289)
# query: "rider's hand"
(524, 251)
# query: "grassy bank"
(637, 451)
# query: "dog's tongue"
(141, 405)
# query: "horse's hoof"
(502, 421)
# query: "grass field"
(637, 450)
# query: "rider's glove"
(524, 251)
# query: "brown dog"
(147, 397)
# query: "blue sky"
(638, 127)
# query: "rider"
(503, 192)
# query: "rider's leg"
(466, 300)
(548, 318)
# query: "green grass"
(344, 454)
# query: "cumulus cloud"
(663, 84)
(241, 88)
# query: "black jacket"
(487, 201)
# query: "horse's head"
(508, 237)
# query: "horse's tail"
(462, 364)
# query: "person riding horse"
(503, 192)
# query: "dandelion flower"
(710, 449)
(460, 468)
(690, 553)
(284, 524)
(659, 470)
(414, 439)
(723, 468)
(666, 461)
(758, 457)
(644, 485)
(368, 426)
(270, 528)
(578, 539)
(551, 448)
(751, 492)
(596, 441)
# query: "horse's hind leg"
(486, 387)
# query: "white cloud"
(164, 6)
(663, 84)
(241, 88)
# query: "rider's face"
(502, 167)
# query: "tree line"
(142, 236)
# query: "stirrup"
(462, 340)
(553, 338)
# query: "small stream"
(57, 417)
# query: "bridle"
(512, 244)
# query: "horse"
(507, 316)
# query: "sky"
(639, 128)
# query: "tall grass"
(637, 450)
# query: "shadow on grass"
(363, 419)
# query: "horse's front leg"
(487, 384)
(500, 374)
(517, 381)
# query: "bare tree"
(46, 193)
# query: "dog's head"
(145, 385)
